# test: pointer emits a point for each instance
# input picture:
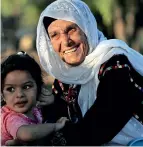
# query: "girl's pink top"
(11, 121)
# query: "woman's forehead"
(60, 24)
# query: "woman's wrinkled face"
(69, 41)
(20, 91)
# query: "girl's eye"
(27, 87)
(10, 89)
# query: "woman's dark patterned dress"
(119, 97)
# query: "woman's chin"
(73, 61)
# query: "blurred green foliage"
(104, 7)
(27, 11)
(10, 6)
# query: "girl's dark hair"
(22, 61)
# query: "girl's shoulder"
(5, 111)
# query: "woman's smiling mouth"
(71, 50)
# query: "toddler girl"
(21, 83)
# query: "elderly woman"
(99, 82)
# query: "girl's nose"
(20, 93)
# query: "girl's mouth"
(21, 104)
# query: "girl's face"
(20, 91)
(69, 41)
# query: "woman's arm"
(117, 99)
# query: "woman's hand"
(46, 97)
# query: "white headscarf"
(100, 50)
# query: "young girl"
(21, 84)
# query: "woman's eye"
(72, 30)
(54, 36)
(10, 89)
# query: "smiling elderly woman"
(68, 41)
(99, 82)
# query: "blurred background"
(121, 19)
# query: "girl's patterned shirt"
(11, 121)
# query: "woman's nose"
(66, 40)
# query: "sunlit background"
(122, 19)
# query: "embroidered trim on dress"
(102, 73)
